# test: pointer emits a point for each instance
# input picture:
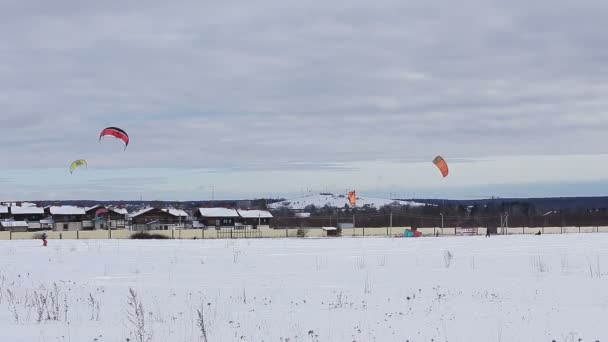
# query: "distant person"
(538, 233)
(487, 233)
(44, 240)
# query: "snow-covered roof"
(141, 212)
(27, 211)
(218, 212)
(3, 209)
(120, 211)
(255, 214)
(66, 210)
(91, 208)
(13, 224)
(176, 212)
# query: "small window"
(65, 226)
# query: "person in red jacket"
(44, 241)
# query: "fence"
(227, 233)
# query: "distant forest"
(544, 212)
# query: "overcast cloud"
(297, 85)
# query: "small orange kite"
(352, 198)
(442, 165)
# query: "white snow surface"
(337, 201)
(176, 212)
(27, 211)
(140, 212)
(121, 211)
(255, 214)
(67, 210)
(218, 212)
(455, 289)
(93, 207)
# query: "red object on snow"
(44, 242)
(417, 233)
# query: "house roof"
(218, 212)
(3, 209)
(176, 212)
(141, 212)
(91, 208)
(66, 210)
(121, 211)
(27, 211)
(255, 214)
(13, 224)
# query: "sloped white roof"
(93, 207)
(218, 212)
(121, 211)
(140, 212)
(67, 210)
(27, 211)
(3, 209)
(255, 214)
(13, 224)
(176, 212)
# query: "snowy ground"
(515, 288)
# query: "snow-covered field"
(503, 288)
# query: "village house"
(182, 217)
(101, 217)
(14, 226)
(34, 216)
(158, 219)
(66, 218)
(255, 218)
(215, 217)
(4, 214)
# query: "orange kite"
(442, 165)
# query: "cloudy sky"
(276, 98)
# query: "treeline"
(513, 214)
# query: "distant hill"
(337, 201)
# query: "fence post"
(10, 234)
(173, 234)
